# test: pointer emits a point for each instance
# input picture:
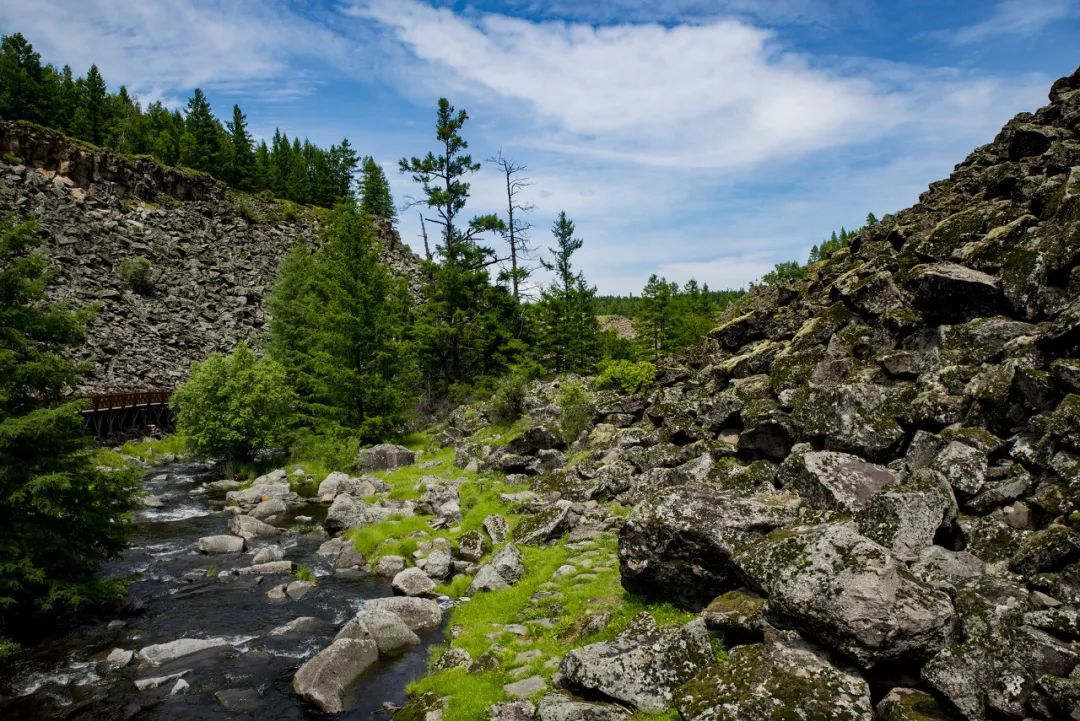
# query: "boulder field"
(867, 481)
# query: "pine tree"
(91, 114)
(338, 326)
(375, 198)
(656, 316)
(241, 155)
(21, 75)
(200, 145)
(569, 331)
(61, 513)
(343, 162)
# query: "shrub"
(135, 272)
(628, 376)
(575, 410)
(508, 401)
(233, 405)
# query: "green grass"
(390, 537)
(304, 573)
(153, 449)
(8, 648)
(471, 693)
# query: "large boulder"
(221, 544)
(677, 545)
(248, 528)
(161, 653)
(348, 512)
(950, 293)
(642, 666)
(389, 632)
(338, 482)
(857, 418)
(848, 593)
(834, 481)
(561, 707)
(324, 678)
(413, 582)
(419, 614)
(784, 678)
(384, 456)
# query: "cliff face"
(213, 255)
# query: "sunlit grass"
(153, 450)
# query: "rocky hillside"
(868, 483)
(211, 254)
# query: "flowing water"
(174, 597)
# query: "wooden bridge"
(128, 413)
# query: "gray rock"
(908, 704)
(472, 546)
(384, 456)
(833, 481)
(268, 554)
(561, 707)
(506, 569)
(437, 565)
(118, 658)
(347, 512)
(853, 418)
(497, 528)
(512, 711)
(249, 528)
(389, 632)
(302, 624)
(642, 666)
(413, 582)
(947, 569)
(221, 544)
(676, 546)
(269, 509)
(963, 467)
(419, 614)
(784, 678)
(270, 568)
(161, 653)
(239, 700)
(848, 593)
(526, 687)
(950, 293)
(338, 482)
(325, 677)
(389, 566)
(906, 519)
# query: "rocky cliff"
(868, 482)
(212, 255)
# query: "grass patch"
(304, 573)
(8, 648)
(153, 450)
(390, 537)
(575, 597)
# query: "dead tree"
(517, 226)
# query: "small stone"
(525, 688)
(413, 582)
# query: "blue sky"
(692, 138)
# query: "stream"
(172, 597)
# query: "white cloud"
(720, 94)
(1016, 17)
(166, 47)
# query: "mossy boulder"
(782, 680)
(854, 418)
(828, 480)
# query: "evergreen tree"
(89, 122)
(569, 331)
(343, 162)
(466, 327)
(241, 155)
(657, 315)
(200, 145)
(62, 514)
(21, 77)
(338, 326)
(375, 198)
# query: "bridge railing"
(100, 402)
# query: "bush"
(234, 405)
(135, 272)
(575, 410)
(508, 401)
(628, 376)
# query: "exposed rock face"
(213, 255)
(384, 456)
(324, 678)
(915, 399)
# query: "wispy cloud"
(165, 47)
(1016, 17)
